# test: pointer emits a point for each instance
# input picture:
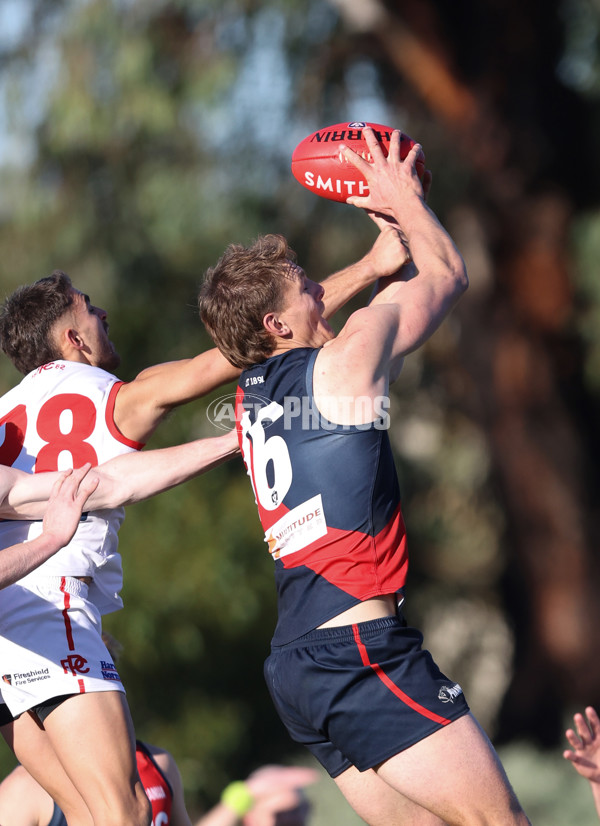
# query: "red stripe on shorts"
(65, 613)
(392, 686)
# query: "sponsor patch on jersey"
(155, 793)
(298, 528)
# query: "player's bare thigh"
(380, 805)
(456, 774)
(93, 738)
(31, 738)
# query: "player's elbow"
(459, 274)
(112, 492)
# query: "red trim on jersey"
(110, 418)
(81, 685)
(361, 565)
(364, 655)
(65, 613)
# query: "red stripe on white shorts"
(65, 613)
(364, 655)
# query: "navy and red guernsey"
(327, 495)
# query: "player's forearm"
(28, 494)
(432, 249)
(19, 560)
(345, 284)
(426, 290)
(219, 815)
(136, 476)
(596, 793)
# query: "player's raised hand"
(585, 743)
(67, 500)
(390, 251)
(391, 180)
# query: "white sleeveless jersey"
(61, 416)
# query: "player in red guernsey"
(348, 678)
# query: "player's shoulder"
(360, 332)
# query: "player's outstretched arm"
(143, 403)
(68, 497)
(585, 753)
(123, 480)
(133, 477)
(417, 301)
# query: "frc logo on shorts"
(74, 663)
(448, 694)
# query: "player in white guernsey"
(70, 409)
(67, 411)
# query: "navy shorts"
(358, 694)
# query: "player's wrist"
(238, 798)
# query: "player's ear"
(275, 325)
(71, 337)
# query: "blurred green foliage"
(145, 137)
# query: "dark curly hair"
(27, 318)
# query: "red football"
(319, 166)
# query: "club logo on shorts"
(74, 663)
(448, 694)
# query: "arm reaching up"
(387, 255)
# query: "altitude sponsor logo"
(298, 528)
(302, 410)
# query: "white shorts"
(51, 643)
